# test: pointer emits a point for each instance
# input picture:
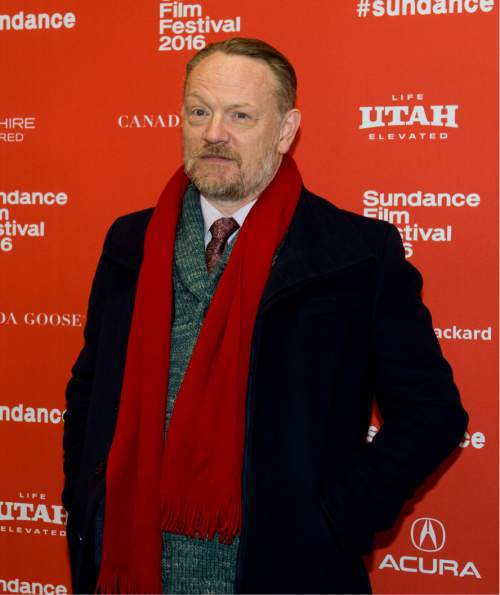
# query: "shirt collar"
(211, 214)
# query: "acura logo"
(428, 535)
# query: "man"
(244, 327)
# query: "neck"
(228, 208)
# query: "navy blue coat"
(340, 324)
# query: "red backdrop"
(399, 101)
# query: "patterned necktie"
(221, 230)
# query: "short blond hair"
(259, 50)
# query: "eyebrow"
(231, 106)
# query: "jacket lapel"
(320, 242)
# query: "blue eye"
(198, 111)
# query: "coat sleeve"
(79, 387)
(417, 398)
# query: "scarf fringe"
(201, 521)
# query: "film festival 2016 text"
(381, 205)
(183, 27)
(11, 229)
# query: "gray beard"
(234, 190)
(227, 192)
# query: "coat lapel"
(320, 242)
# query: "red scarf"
(190, 484)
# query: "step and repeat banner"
(400, 122)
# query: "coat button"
(115, 405)
(100, 468)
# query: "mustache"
(217, 151)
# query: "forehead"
(232, 78)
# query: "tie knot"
(222, 228)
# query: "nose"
(215, 130)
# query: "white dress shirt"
(211, 214)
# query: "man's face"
(231, 127)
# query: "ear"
(288, 129)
